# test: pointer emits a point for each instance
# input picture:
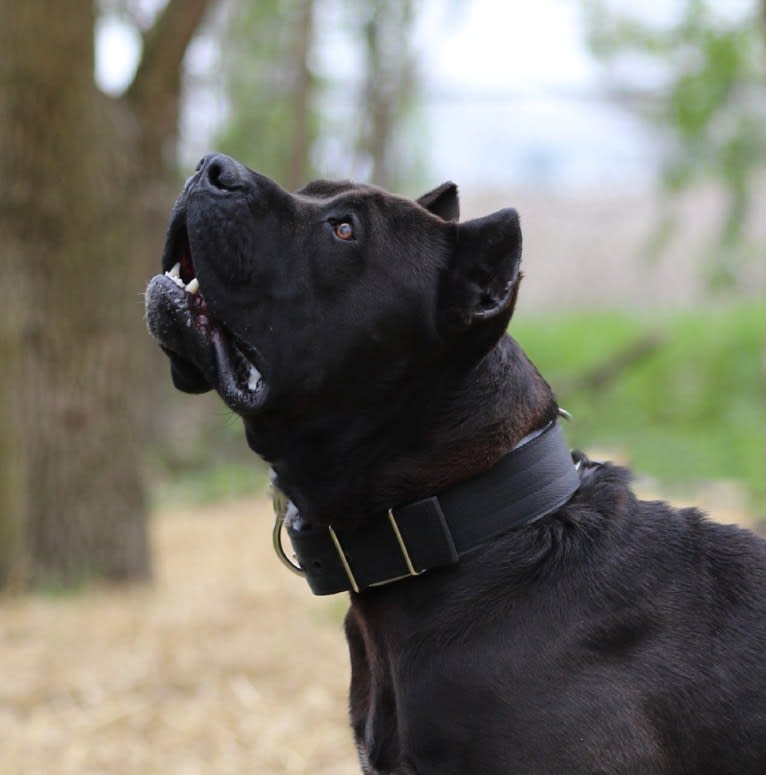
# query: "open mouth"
(180, 273)
(177, 258)
(200, 346)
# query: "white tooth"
(193, 286)
(175, 275)
(253, 378)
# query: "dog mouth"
(203, 349)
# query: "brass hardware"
(343, 559)
(402, 546)
(280, 501)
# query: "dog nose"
(220, 171)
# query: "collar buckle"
(411, 570)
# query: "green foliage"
(271, 91)
(202, 456)
(710, 103)
(293, 112)
(389, 90)
(212, 482)
(692, 408)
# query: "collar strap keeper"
(532, 481)
(412, 539)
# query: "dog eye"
(344, 230)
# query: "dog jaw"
(204, 354)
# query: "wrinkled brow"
(328, 188)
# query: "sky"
(516, 100)
(512, 95)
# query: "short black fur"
(614, 636)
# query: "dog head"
(291, 305)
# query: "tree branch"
(155, 91)
(603, 374)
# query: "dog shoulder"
(679, 550)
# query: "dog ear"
(442, 201)
(481, 282)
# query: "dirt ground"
(227, 664)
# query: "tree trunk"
(270, 87)
(300, 98)
(78, 177)
(390, 74)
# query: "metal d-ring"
(276, 537)
(281, 504)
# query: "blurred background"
(144, 625)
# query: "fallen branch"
(602, 375)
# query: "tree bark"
(300, 98)
(270, 88)
(79, 173)
(388, 84)
(154, 95)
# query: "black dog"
(556, 624)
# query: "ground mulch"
(226, 664)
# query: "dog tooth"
(253, 378)
(193, 286)
(175, 275)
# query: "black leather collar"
(532, 481)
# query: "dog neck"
(342, 471)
